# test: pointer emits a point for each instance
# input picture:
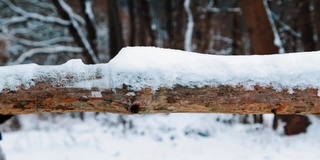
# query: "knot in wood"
(83, 99)
(135, 107)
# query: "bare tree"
(305, 25)
(317, 20)
(260, 30)
(115, 28)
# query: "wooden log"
(43, 97)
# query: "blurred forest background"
(50, 32)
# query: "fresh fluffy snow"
(156, 137)
(140, 67)
(74, 71)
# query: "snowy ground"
(173, 136)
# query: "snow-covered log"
(154, 80)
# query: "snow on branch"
(12, 20)
(277, 40)
(46, 50)
(285, 26)
(44, 5)
(36, 16)
(190, 24)
(222, 38)
(154, 80)
(88, 10)
(44, 42)
(218, 10)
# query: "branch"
(43, 5)
(137, 81)
(218, 10)
(190, 25)
(12, 20)
(46, 50)
(223, 99)
(35, 15)
(82, 38)
(285, 26)
(277, 41)
(43, 43)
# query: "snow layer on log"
(150, 67)
(68, 74)
(153, 67)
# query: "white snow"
(140, 67)
(88, 9)
(96, 94)
(173, 136)
(14, 76)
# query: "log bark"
(43, 97)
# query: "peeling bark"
(223, 99)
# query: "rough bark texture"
(223, 99)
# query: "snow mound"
(153, 67)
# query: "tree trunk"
(259, 27)
(202, 31)
(178, 25)
(132, 33)
(317, 19)
(305, 25)
(115, 29)
(237, 45)
(141, 21)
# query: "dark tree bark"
(132, 20)
(141, 22)
(177, 27)
(145, 12)
(202, 34)
(317, 20)
(305, 25)
(115, 29)
(237, 45)
(259, 27)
